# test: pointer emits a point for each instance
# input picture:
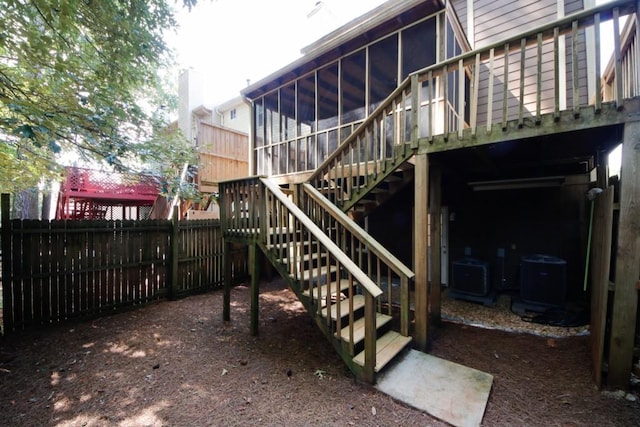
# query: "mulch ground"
(178, 364)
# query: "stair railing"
(389, 272)
(257, 209)
(377, 144)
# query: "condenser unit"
(470, 276)
(543, 280)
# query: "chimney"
(190, 96)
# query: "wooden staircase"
(357, 292)
(360, 190)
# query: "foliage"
(23, 166)
(82, 75)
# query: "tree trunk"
(25, 204)
(46, 206)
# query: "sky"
(232, 41)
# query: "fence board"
(63, 269)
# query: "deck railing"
(627, 67)
(378, 143)
(516, 80)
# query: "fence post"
(175, 232)
(7, 282)
(226, 299)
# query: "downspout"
(221, 115)
(252, 123)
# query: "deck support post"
(421, 245)
(226, 299)
(255, 288)
(435, 300)
(627, 267)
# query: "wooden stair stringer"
(359, 204)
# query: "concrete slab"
(451, 392)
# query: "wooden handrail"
(396, 265)
(342, 258)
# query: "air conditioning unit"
(470, 276)
(543, 280)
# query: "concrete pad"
(449, 391)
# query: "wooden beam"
(627, 268)
(566, 122)
(600, 264)
(421, 243)
(435, 192)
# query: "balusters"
(474, 95)
(556, 73)
(461, 98)
(505, 87)
(539, 79)
(523, 59)
(618, 57)
(490, 91)
(574, 69)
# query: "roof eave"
(338, 37)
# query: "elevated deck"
(90, 194)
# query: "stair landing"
(449, 391)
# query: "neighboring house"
(220, 135)
(233, 114)
(472, 127)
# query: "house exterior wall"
(499, 20)
(234, 114)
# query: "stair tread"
(387, 347)
(344, 285)
(301, 258)
(358, 303)
(358, 328)
(306, 274)
(281, 245)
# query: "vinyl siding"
(497, 20)
(460, 6)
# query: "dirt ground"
(178, 364)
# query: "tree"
(77, 75)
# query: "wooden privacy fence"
(58, 270)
